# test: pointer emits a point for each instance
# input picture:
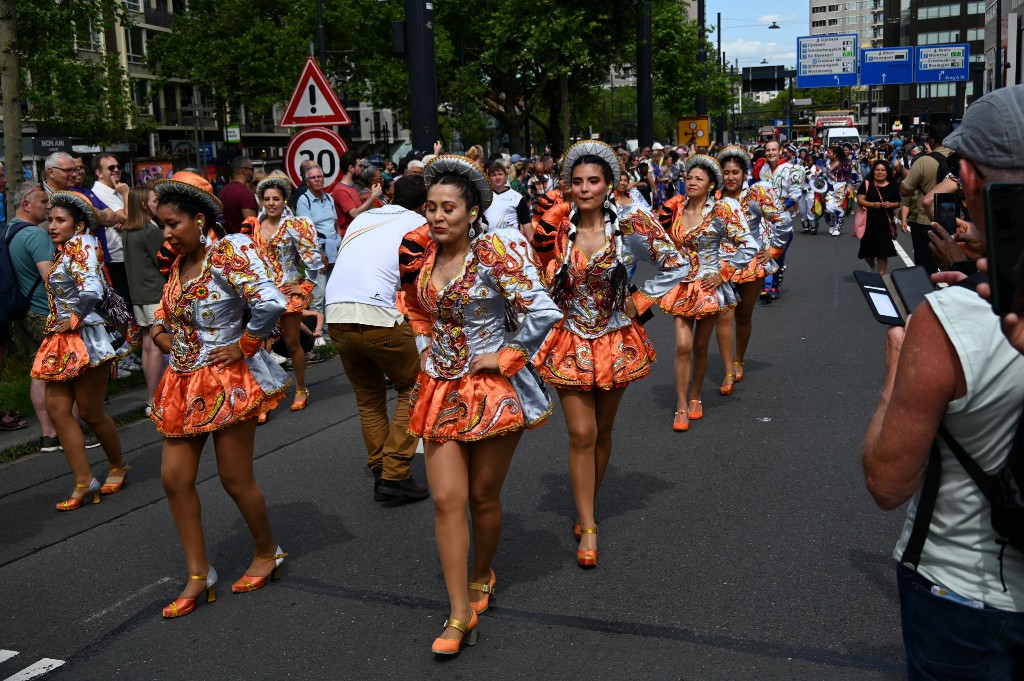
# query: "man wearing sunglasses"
(110, 190)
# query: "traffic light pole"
(419, 56)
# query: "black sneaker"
(49, 444)
(90, 439)
(377, 494)
(406, 489)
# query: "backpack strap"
(925, 507)
(979, 476)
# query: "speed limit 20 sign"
(320, 145)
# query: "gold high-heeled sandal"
(180, 607)
(738, 369)
(480, 607)
(115, 487)
(249, 583)
(451, 646)
(587, 558)
(727, 389)
(75, 503)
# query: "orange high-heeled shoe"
(451, 646)
(263, 417)
(678, 424)
(180, 607)
(727, 389)
(738, 369)
(696, 410)
(299, 406)
(480, 607)
(249, 583)
(75, 503)
(115, 487)
(588, 558)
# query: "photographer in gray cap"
(961, 591)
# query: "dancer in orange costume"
(218, 380)
(698, 224)
(587, 249)
(283, 242)
(772, 226)
(462, 292)
(73, 356)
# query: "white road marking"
(38, 669)
(907, 260)
(136, 594)
(7, 654)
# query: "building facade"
(935, 22)
(1007, 33)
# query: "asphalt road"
(746, 548)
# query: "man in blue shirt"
(317, 206)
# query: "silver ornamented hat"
(590, 148)
(732, 151)
(452, 164)
(66, 199)
(707, 163)
(275, 182)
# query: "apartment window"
(133, 5)
(89, 40)
(818, 10)
(928, 90)
(818, 24)
(976, 8)
(833, 8)
(140, 95)
(833, 22)
(135, 45)
(975, 34)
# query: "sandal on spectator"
(12, 420)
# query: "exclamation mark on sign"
(312, 98)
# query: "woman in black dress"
(880, 196)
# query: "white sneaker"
(277, 358)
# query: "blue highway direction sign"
(886, 65)
(826, 60)
(943, 63)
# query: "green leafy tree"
(82, 94)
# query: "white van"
(841, 136)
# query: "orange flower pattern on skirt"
(609, 361)
(209, 399)
(466, 409)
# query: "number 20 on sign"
(320, 145)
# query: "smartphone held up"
(1004, 235)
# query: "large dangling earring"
(202, 232)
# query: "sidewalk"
(126, 404)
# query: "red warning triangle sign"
(313, 102)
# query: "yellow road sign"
(695, 130)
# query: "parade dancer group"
(497, 318)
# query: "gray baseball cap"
(992, 131)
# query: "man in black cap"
(960, 584)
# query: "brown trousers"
(369, 354)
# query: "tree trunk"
(10, 98)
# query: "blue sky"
(745, 33)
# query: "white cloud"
(748, 51)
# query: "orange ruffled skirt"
(299, 302)
(466, 409)
(612, 360)
(690, 300)
(208, 399)
(64, 356)
(755, 270)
